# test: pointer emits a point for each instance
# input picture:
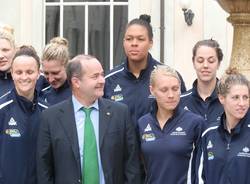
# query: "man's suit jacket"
(58, 157)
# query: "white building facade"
(96, 27)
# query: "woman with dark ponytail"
(225, 146)
(129, 82)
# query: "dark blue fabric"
(210, 109)
(226, 157)
(168, 152)
(53, 96)
(19, 122)
(6, 82)
(122, 86)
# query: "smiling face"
(25, 72)
(206, 64)
(236, 102)
(54, 72)
(90, 85)
(7, 52)
(166, 90)
(137, 43)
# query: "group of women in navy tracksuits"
(201, 136)
(178, 138)
(22, 100)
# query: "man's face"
(91, 84)
(55, 73)
(7, 52)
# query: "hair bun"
(59, 41)
(146, 18)
(232, 71)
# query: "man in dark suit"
(61, 153)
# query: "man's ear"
(75, 82)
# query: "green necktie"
(90, 159)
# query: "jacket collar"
(26, 105)
(5, 75)
(178, 110)
(237, 129)
(151, 63)
(195, 93)
(62, 87)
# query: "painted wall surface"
(27, 17)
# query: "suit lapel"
(105, 114)
(67, 119)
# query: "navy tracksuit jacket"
(122, 86)
(19, 122)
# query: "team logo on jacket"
(248, 125)
(209, 145)
(186, 108)
(244, 153)
(178, 131)
(117, 98)
(210, 155)
(148, 128)
(117, 88)
(12, 122)
(148, 137)
(13, 132)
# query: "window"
(93, 27)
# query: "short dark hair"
(27, 50)
(209, 43)
(74, 67)
(144, 20)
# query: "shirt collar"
(77, 105)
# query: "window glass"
(99, 34)
(120, 21)
(86, 0)
(52, 27)
(52, 1)
(73, 28)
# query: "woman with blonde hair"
(225, 145)
(54, 60)
(7, 52)
(169, 135)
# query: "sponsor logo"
(12, 122)
(151, 96)
(13, 132)
(218, 118)
(117, 88)
(210, 155)
(148, 137)
(117, 98)
(209, 145)
(245, 152)
(148, 128)
(178, 131)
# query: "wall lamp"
(188, 14)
